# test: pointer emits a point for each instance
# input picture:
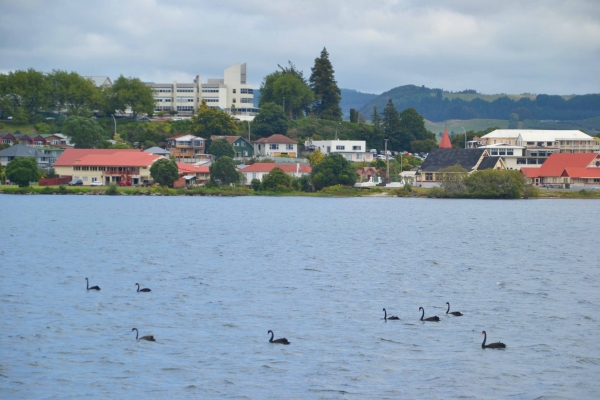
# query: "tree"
(270, 120)
(223, 172)
(71, 91)
(391, 126)
(23, 93)
(453, 179)
(276, 178)
(315, 157)
(327, 93)
(333, 170)
(221, 147)
(212, 121)
(164, 172)
(495, 184)
(513, 121)
(423, 146)
(22, 170)
(255, 183)
(412, 127)
(295, 94)
(86, 133)
(353, 115)
(130, 93)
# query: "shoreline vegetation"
(333, 191)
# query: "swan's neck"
(87, 284)
(384, 314)
(484, 339)
(136, 334)
(272, 335)
(138, 285)
(422, 313)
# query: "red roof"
(445, 143)
(277, 138)
(267, 167)
(557, 162)
(530, 172)
(575, 172)
(185, 168)
(105, 157)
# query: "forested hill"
(437, 105)
(354, 99)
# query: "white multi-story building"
(231, 94)
(352, 150)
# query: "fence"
(55, 181)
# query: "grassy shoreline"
(338, 191)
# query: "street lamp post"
(465, 136)
(113, 115)
(387, 161)
(336, 128)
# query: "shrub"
(437, 193)
(255, 184)
(530, 191)
(62, 190)
(112, 189)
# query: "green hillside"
(469, 125)
(354, 99)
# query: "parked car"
(9, 118)
(76, 182)
(96, 183)
(143, 119)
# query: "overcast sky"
(493, 46)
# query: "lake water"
(317, 271)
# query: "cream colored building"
(125, 166)
(231, 94)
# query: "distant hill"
(437, 105)
(354, 99)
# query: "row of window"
(210, 90)
(539, 144)
(185, 108)
(531, 160)
(185, 90)
(185, 99)
(162, 90)
(274, 146)
(162, 108)
(163, 99)
(502, 152)
(354, 148)
(211, 99)
(245, 100)
(110, 169)
(246, 91)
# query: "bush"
(437, 193)
(530, 191)
(112, 189)
(255, 184)
(62, 189)
(276, 179)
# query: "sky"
(506, 46)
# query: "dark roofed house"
(470, 159)
(22, 150)
(241, 146)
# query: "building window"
(185, 90)
(494, 142)
(183, 151)
(185, 108)
(273, 147)
(246, 91)
(211, 99)
(509, 152)
(531, 161)
(359, 156)
(521, 161)
(76, 168)
(234, 93)
(162, 90)
(246, 100)
(289, 147)
(84, 178)
(197, 143)
(245, 154)
(494, 152)
(101, 168)
(548, 143)
(357, 148)
(428, 176)
(340, 147)
(234, 99)
(529, 143)
(502, 152)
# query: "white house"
(259, 170)
(352, 150)
(275, 146)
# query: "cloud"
(507, 46)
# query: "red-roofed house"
(576, 169)
(275, 146)
(259, 170)
(201, 173)
(106, 165)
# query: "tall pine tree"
(327, 92)
(392, 126)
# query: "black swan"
(280, 341)
(149, 338)
(87, 283)
(142, 290)
(386, 317)
(430, 319)
(497, 345)
(455, 313)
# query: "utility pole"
(387, 161)
(113, 115)
(465, 136)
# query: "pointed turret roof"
(445, 143)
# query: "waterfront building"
(352, 150)
(472, 160)
(259, 170)
(130, 166)
(579, 170)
